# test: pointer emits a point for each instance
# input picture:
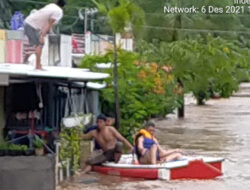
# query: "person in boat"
(149, 151)
(110, 121)
(107, 137)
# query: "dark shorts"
(108, 155)
(32, 34)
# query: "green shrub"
(70, 145)
(38, 142)
(17, 147)
(145, 90)
(205, 67)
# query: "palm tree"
(120, 14)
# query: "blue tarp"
(16, 21)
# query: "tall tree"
(119, 14)
(162, 26)
(5, 15)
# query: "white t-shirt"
(40, 18)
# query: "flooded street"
(221, 128)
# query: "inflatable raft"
(188, 168)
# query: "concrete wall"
(27, 173)
(2, 119)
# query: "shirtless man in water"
(107, 137)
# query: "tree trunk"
(177, 24)
(117, 106)
(181, 110)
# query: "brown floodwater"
(220, 128)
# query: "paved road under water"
(220, 128)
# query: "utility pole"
(92, 24)
(87, 12)
(85, 20)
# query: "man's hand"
(45, 30)
(131, 149)
(87, 136)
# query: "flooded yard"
(221, 128)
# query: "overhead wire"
(194, 30)
(148, 26)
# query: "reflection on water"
(221, 128)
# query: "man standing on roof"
(39, 23)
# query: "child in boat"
(148, 149)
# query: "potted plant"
(3, 148)
(38, 145)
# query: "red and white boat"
(188, 168)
